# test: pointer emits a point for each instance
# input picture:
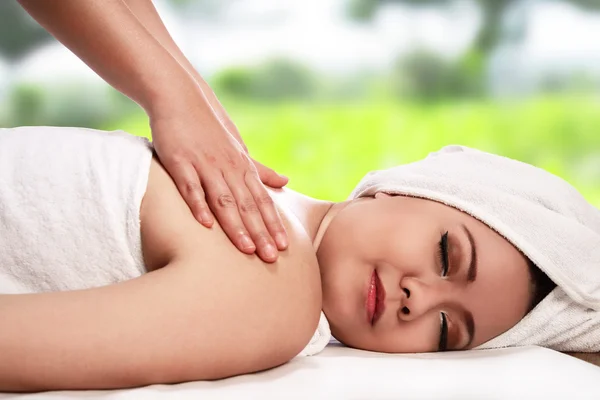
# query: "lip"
(375, 302)
(380, 303)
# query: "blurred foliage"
(492, 29)
(580, 82)
(73, 104)
(274, 80)
(493, 14)
(489, 32)
(326, 148)
(19, 33)
(427, 76)
(205, 8)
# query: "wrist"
(174, 96)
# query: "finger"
(269, 177)
(224, 205)
(268, 211)
(187, 181)
(253, 220)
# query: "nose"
(422, 296)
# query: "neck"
(314, 215)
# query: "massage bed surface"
(343, 373)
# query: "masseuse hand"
(127, 44)
(203, 152)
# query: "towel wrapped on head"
(540, 214)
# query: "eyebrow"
(471, 276)
(472, 272)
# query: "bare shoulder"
(273, 308)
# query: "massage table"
(343, 373)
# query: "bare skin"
(399, 237)
(208, 311)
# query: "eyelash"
(443, 255)
(442, 346)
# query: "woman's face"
(392, 244)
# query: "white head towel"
(539, 213)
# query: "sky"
(316, 33)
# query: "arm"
(107, 36)
(210, 167)
(147, 15)
(183, 322)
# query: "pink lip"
(371, 302)
(375, 303)
(380, 300)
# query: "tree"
(466, 77)
(19, 33)
(493, 12)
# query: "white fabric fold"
(319, 340)
(539, 213)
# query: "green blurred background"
(325, 90)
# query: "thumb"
(270, 177)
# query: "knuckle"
(210, 158)
(264, 200)
(180, 158)
(199, 204)
(226, 201)
(231, 161)
(274, 227)
(192, 187)
(262, 238)
(248, 206)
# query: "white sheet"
(343, 373)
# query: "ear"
(380, 195)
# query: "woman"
(117, 285)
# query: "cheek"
(501, 298)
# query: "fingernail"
(270, 251)
(281, 240)
(205, 218)
(247, 243)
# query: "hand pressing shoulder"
(273, 308)
(210, 312)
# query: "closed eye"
(443, 253)
(443, 344)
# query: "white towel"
(539, 213)
(69, 208)
(319, 340)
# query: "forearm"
(153, 329)
(108, 37)
(147, 15)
